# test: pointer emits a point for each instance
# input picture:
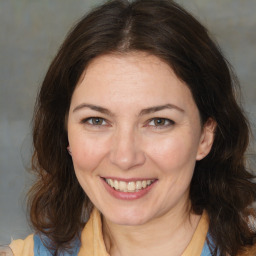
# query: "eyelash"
(103, 122)
(167, 122)
(90, 121)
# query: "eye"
(97, 121)
(160, 122)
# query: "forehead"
(136, 77)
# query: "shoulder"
(37, 245)
(5, 251)
(23, 247)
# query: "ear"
(69, 150)
(207, 138)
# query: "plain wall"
(32, 31)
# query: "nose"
(126, 150)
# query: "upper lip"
(127, 179)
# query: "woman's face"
(134, 134)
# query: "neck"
(168, 234)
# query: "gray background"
(31, 32)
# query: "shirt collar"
(92, 242)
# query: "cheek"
(87, 153)
(173, 153)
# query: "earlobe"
(69, 150)
(207, 139)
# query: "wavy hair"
(221, 185)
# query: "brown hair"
(221, 185)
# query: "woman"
(139, 141)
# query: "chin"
(127, 217)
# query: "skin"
(128, 143)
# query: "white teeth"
(138, 184)
(111, 183)
(116, 184)
(144, 183)
(131, 186)
(122, 185)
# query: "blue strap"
(41, 250)
(206, 250)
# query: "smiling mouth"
(130, 186)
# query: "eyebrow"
(93, 107)
(159, 108)
(142, 112)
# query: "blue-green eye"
(95, 121)
(160, 122)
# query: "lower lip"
(128, 195)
